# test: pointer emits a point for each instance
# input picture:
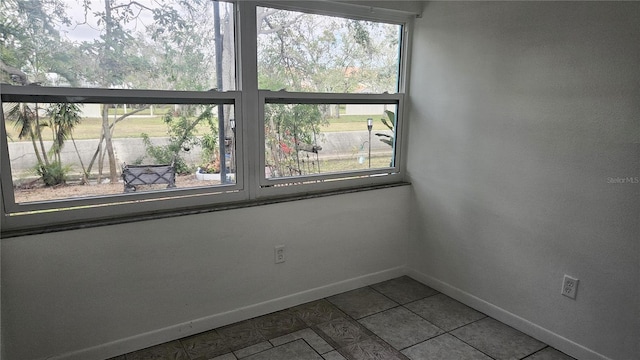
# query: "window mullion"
(248, 73)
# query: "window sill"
(190, 211)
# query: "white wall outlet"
(279, 253)
(569, 286)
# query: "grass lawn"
(353, 164)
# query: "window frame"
(251, 187)
(60, 210)
(331, 180)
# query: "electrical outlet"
(279, 254)
(569, 286)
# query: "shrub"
(53, 173)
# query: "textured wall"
(524, 117)
(73, 291)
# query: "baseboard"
(126, 345)
(552, 339)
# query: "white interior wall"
(521, 114)
(1, 331)
(100, 292)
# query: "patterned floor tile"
(296, 350)
(317, 312)
(404, 290)
(241, 335)
(362, 302)
(205, 346)
(498, 340)
(400, 327)
(444, 312)
(444, 347)
(333, 355)
(342, 332)
(253, 349)
(228, 356)
(366, 323)
(549, 353)
(278, 324)
(168, 351)
(314, 340)
(371, 349)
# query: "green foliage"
(64, 117)
(53, 173)
(307, 52)
(390, 124)
(299, 52)
(181, 127)
(209, 143)
(289, 128)
(23, 117)
(31, 42)
(164, 154)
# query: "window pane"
(59, 151)
(144, 44)
(308, 139)
(317, 53)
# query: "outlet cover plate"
(279, 254)
(569, 286)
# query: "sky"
(82, 30)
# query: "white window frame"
(39, 213)
(330, 180)
(251, 186)
(296, 185)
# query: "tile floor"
(395, 319)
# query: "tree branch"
(16, 74)
(130, 4)
(124, 116)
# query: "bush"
(53, 174)
(166, 154)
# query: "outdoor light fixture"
(369, 127)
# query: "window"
(318, 139)
(98, 102)
(329, 99)
(302, 52)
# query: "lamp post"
(369, 127)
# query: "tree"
(306, 52)
(24, 117)
(62, 119)
(291, 130)
(31, 46)
(315, 53)
(182, 124)
(170, 53)
(113, 61)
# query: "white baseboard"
(197, 326)
(552, 339)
